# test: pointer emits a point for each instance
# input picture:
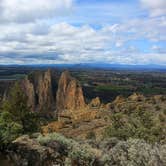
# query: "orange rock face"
(29, 90)
(52, 127)
(119, 99)
(44, 91)
(95, 102)
(136, 97)
(69, 95)
(38, 89)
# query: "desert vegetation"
(57, 149)
(138, 124)
(129, 130)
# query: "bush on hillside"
(135, 152)
(80, 154)
(141, 123)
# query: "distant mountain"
(119, 66)
(96, 66)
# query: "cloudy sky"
(83, 31)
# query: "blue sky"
(83, 31)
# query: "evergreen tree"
(15, 116)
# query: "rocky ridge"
(38, 87)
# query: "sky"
(129, 32)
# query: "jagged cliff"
(29, 90)
(44, 91)
(38, 88)
(69, 95)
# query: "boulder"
(136, 97)
(26, 151)
(95, 103)
(119, 99)
(159, 98)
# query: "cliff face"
(44, 91)
(29, 90)
(38, 89)
(69, 95)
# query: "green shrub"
(91, 135)
(164, 111)
(139, 123)
(135, 152)
(80, 153)
(9, 130)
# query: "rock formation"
(27, 151)
(38, 89)
(95, 103)
(119, 99)
(69, 95)
(136, 97)
(44, 91)
(29, 90)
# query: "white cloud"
(71, 43)
(29, 10)
(156, 7)
(65, 43)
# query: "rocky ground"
(97, 117)
(55, 149)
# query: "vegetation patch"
(139, 123)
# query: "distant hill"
(97, 66)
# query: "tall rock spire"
(69, 95)
(38, 88)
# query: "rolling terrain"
(82, 117)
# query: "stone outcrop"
(119, 99)
(27, 151)
(95, 103)
(29, 90)
(159, 98)
(108, 106)
(136, 97)
(38, 89)
(57, 150)
(52, 127)
(51, 150)
(69, 95)
(44, 91)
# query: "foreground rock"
(69, 95)
(50, 150)
(55, 149)
(28, 152)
